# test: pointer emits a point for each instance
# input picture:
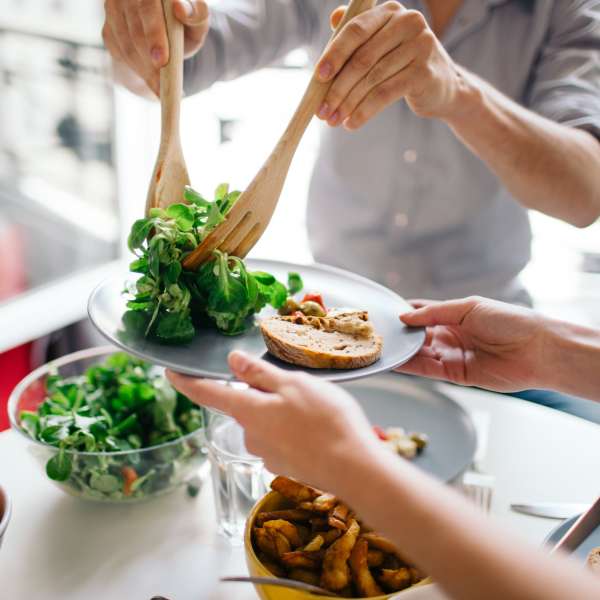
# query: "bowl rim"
(7, 513)
(44, 369)
(249, 547)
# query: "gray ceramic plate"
(398, 400)
(206, 355)
(592, 541)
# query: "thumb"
(257, 373)
(336, 16)
(452, 312)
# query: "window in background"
(58, 203)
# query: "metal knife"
(581, 529)
(551, 510)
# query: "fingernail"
(325, 71)
(348, 125)
(335, 117)
(188, 8)
(157, 55)
(324, 110)
(238, 361)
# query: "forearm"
(572, 359)
(547, 166)
(431, 523)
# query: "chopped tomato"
(380, 433)
(129, 476)
(313, 297)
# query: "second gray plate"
(393, 400)
(206, 355)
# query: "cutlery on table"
(250, 215)
(170, 172)
(280, 582)
(550, 510)
(581, 529)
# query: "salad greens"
(168, 302)
(120, 405)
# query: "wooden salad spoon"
(170, 173)
(250, 215)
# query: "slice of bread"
(593, 560)
(341, 341)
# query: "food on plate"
(169, 303)
(316, 538)
(407, 444)
(593, 560)
(118, 406)
(342, 339)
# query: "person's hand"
(134, 33)
(480, 342)
(301, 426)
(381, 56)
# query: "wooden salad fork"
(170, 175)
(250, 215)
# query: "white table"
(61, 548)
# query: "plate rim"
(337, 377)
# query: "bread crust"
(299, 342)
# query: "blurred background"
(76, 155)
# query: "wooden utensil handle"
(317, 90)
(171, 75)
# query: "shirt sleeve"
(246, 35)
(566, 81)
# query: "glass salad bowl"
(130, 468)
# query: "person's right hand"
(483, 343)
(134, 33)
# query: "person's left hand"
(381, 56)
(301, 426)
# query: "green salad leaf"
(122, 404)
(169, 303)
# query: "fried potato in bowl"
(301, 533)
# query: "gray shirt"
(402, 200)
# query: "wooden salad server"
(250, 215)
(170, 173)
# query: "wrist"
(356, 472)
(469, 99)
(571, 358)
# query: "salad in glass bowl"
(109, 427)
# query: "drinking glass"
(239, 478)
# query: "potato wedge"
(363, 580)
(394, 580)
(315, 544)
(336, 572)
(381, 543)
(289, 530)
(271, 542)
(293, 490)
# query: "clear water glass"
(239, 478)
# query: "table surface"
(58, 547)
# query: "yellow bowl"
(275, 501)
